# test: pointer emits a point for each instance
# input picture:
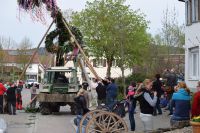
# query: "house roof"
(10, 69)
(13, 56)
(16, 56)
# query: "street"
(37, 123)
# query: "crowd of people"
(11, 98)
(151, 95)
(106, 91)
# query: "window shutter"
(94, 63)
(104, 62)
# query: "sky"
(17, 24)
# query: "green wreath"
(64, 44)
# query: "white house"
(192, 42)
(100, 66)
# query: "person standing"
(86, 95)
(81, 109)
(11, 99)
(19, 96)
(147, 103)
(81, 105)
(111, 92)
(131, 104)
(181, 104)
(33, 90)
(171, 83)
(2, 91)
(101, 93)
(196, 102)
(157, 86)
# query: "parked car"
(30, 82)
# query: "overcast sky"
(17, 28)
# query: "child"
(131, 104)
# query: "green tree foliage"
(113, 31)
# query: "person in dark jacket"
(81, 105)
(11, 99)
(101, 93)
(111, 92)
(19, 96)
(86, 94)
(81, 108)
(157, 86)
(147, 103)
(171, 83)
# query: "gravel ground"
(183, 130)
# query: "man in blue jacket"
(111, 92)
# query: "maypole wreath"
(58, 40)
(63, 36)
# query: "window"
(30, 66)
(198, 9)
(188, 9)
(194, 63)
(94, 63)
(192, 8)
(114, 64)
(99, 62)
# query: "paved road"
(37, 123)
(60, 122)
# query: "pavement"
(159, 121)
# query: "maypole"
(64, 32)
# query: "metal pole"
(35, 51)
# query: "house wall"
(192, 41)
(32, 71)
(101, 71)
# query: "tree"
(5, 43)
(172, 35)
(24, 52)
(46, 59)
(113, 31)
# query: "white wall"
(32, 68)
(101, 71)
(192, 35)
(192, 39)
